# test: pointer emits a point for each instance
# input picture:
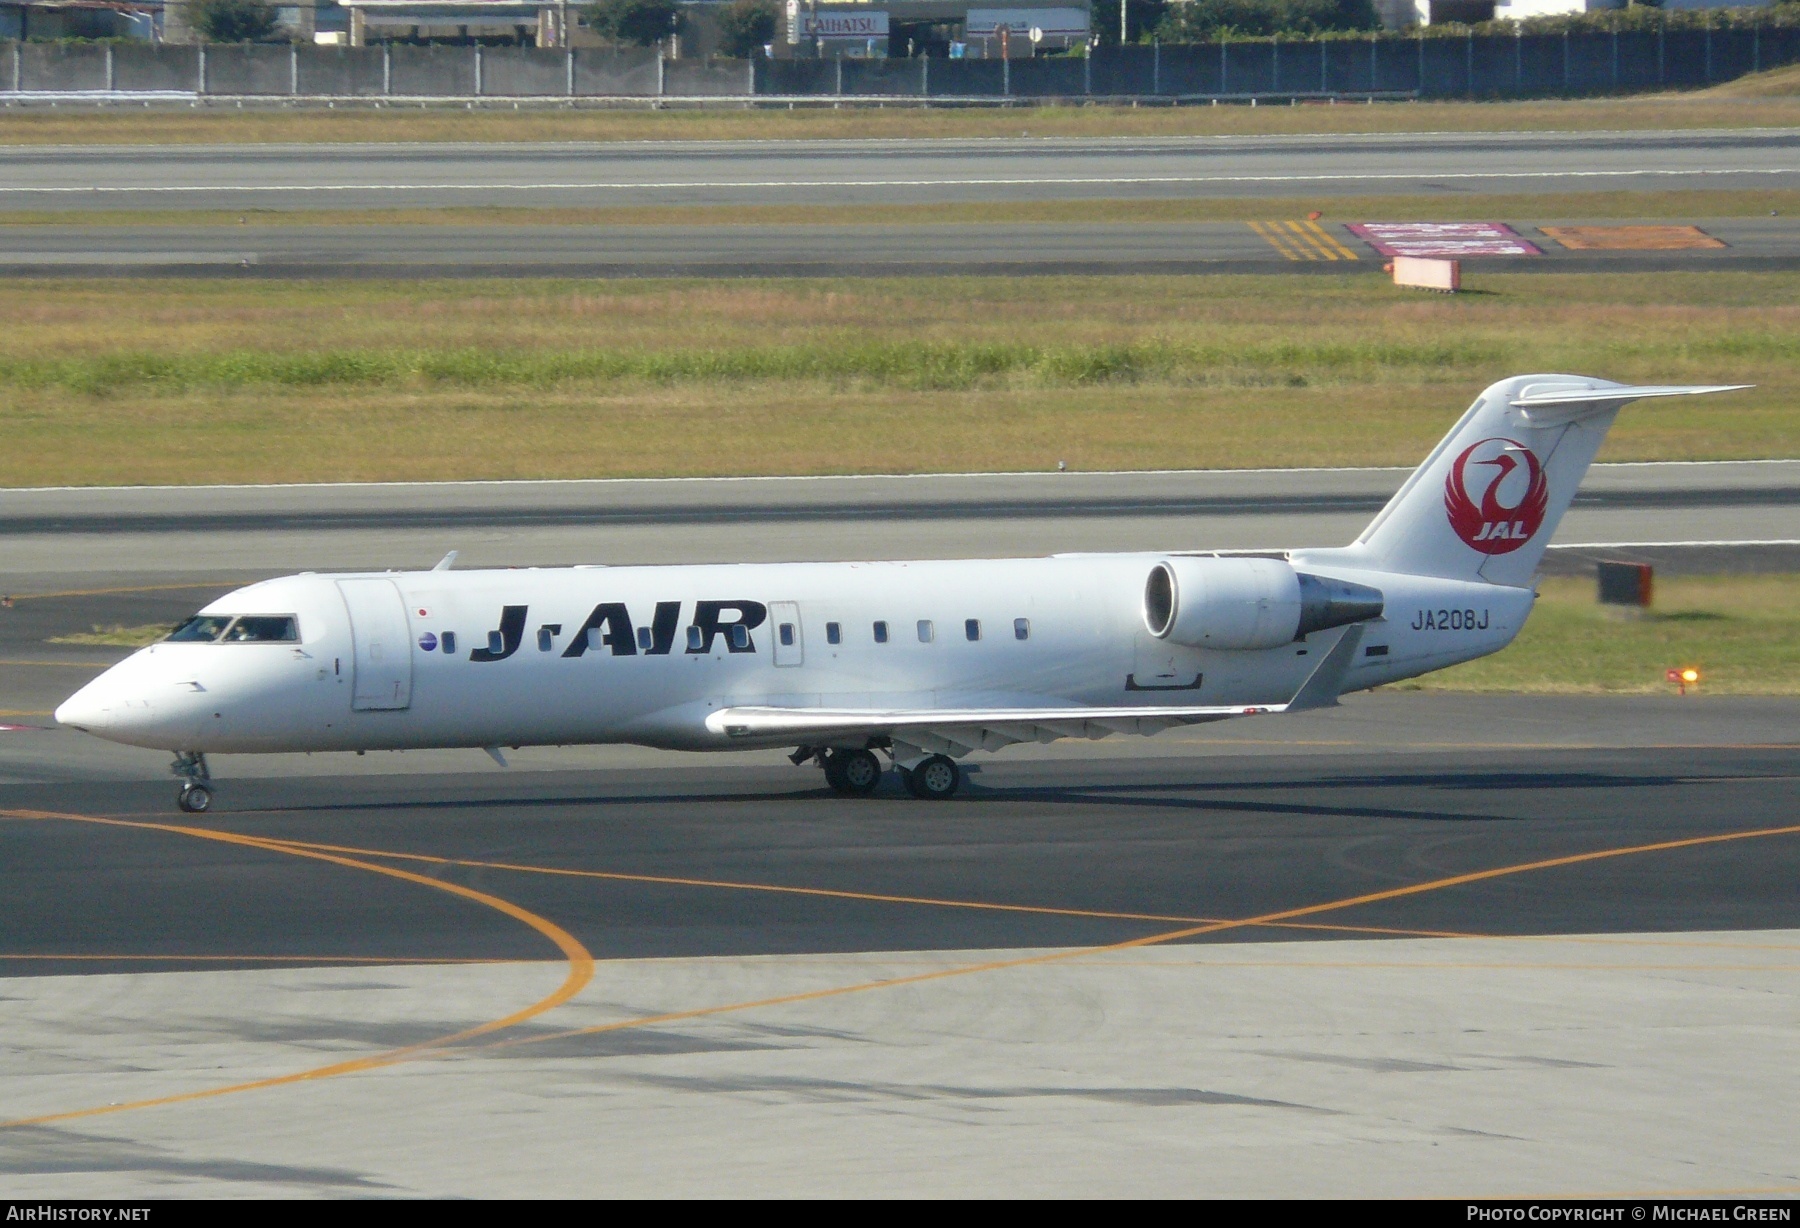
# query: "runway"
(851, 172)
(273, 250)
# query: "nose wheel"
(196, 796)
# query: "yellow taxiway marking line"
(988, 906)
(69, 664)
(1308, 910)
(138, 588)
(664, 880)
(580, 962)
(1313, 240)
(14, 713)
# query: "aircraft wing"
(957, 731)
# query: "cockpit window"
(245, 629)
(262, 629)
(200, 629)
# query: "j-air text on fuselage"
(920, 662)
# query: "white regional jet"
(923, 662)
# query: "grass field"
(1741, 632)
(1688, 206)
(109, 382)
(335, 380)
(1773, 107)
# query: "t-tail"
(1486, 502)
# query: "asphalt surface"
(851, 172)
(265, 250)
(1166, 837)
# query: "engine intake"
(1248, 603)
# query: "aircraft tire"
(860, 771)
(934, 779)
(195, 799)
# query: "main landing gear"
(196, 782)
(857, 773)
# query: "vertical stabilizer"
(1486, 501)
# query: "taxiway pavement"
(1444, 945)
(849, 172)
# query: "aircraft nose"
(88, 709)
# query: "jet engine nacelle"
(1248, 603)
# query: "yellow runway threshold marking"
(580, 963)
(1303, 240)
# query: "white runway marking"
(1056, 181)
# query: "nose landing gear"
(196, 782)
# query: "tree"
(745, 25)
(1205, 20)
(1145, 15)
(644, 22)
(232, 21)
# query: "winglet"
(445, 563)
(1323, 686)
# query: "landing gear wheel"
(934, 779)
(855, 773)
(195, 799)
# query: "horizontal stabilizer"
(1549, 404)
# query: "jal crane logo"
(1496, 495)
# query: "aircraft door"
(790, 648)
(381, 639)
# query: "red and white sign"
(1496, 495)
(1451, 239)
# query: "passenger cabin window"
(924, 631)
(1021, 628)
(881, 632)
(971, 629)
(448, 641)
(740, 636)
(787, 635)
(546, 639)
(834, 634)
(694, 639)
(496, 643)
(645, 641)
(200, 629)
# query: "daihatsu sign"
(848, 25)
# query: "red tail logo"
(1484, 475)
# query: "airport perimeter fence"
(1473, 66)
